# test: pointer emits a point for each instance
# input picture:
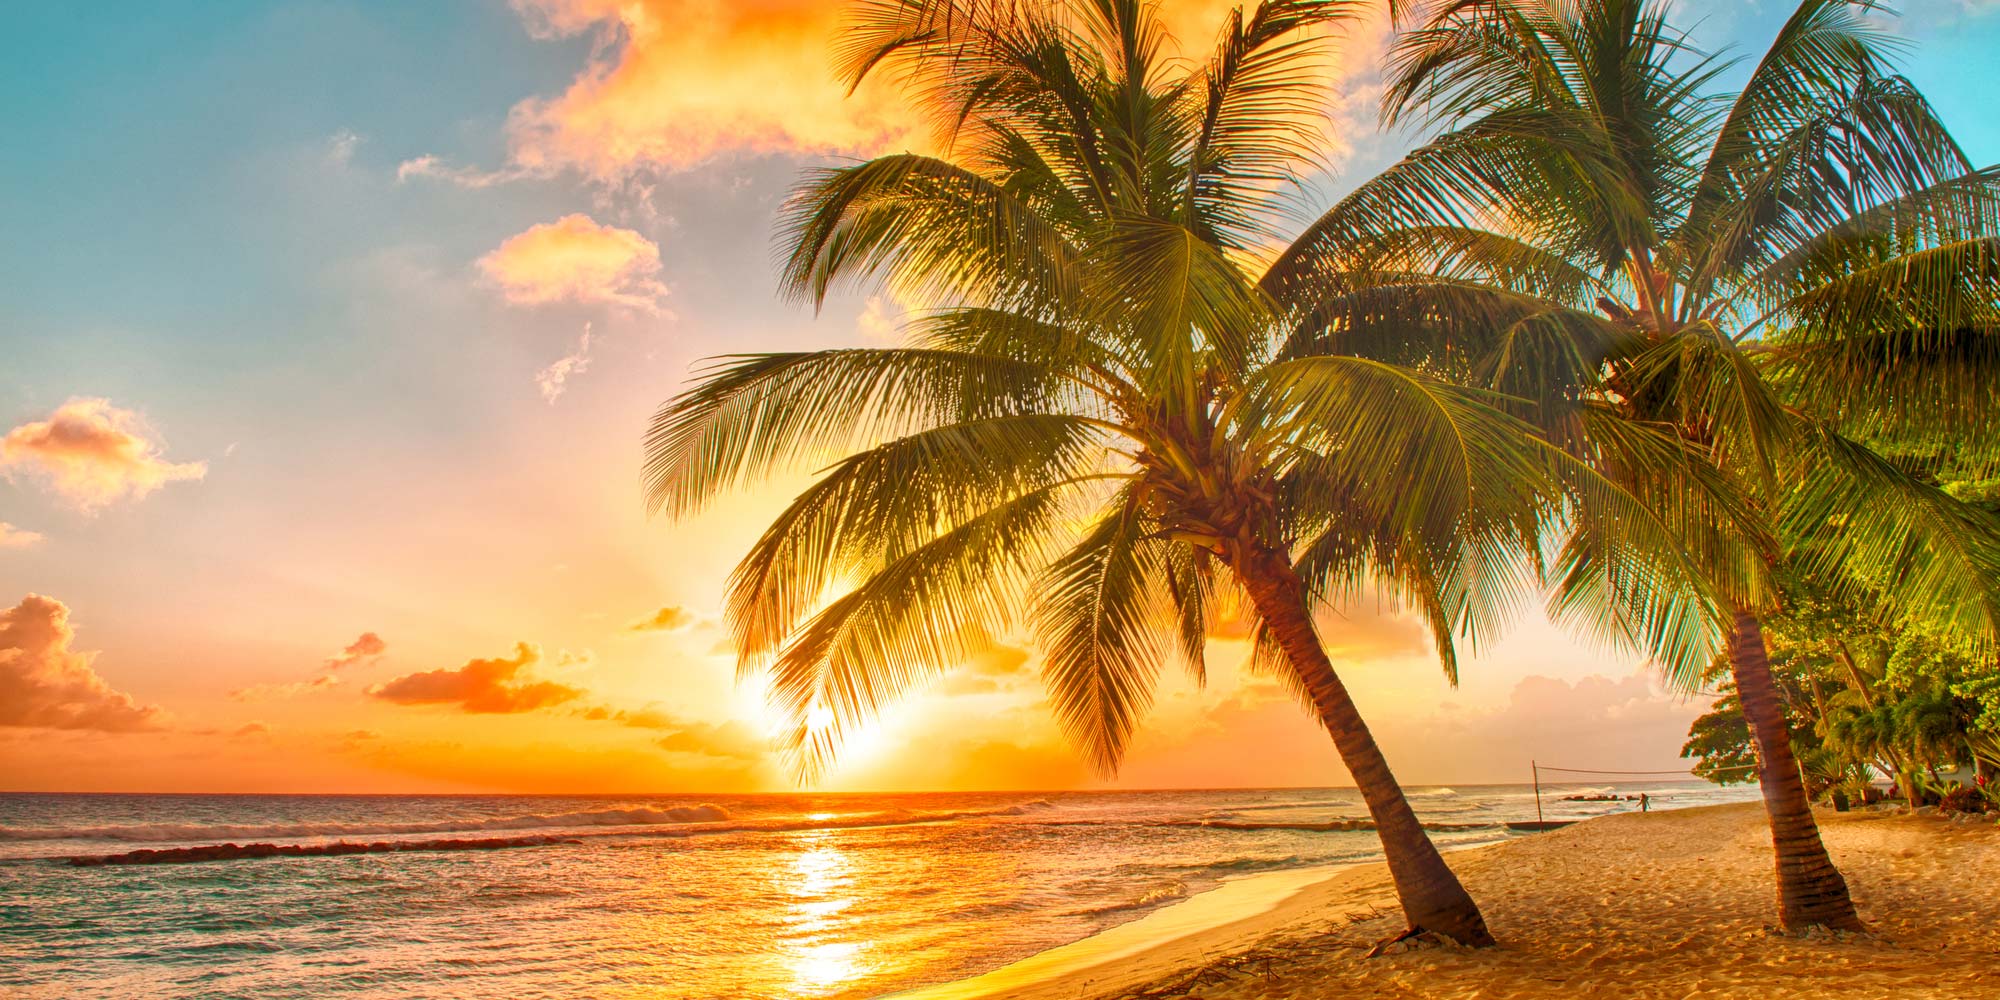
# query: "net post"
(1537, 769)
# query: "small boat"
(1538, 825)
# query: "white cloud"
(555, 378)
(575, 259)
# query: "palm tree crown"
(1107, 421)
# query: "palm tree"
(1094, 425)
(1775, 275)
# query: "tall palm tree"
(1093, 425)
(1775, 274)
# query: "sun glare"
(819, 719)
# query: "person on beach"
(1645, 802)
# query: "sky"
(330, 333)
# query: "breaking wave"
(639, 816)
(1330, 826)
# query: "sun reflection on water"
(820, 880)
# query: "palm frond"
(750, 415)
(1858, 520)
(877, 505)
(1103, 622)
(928, 226)
(917, 614)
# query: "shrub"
(1964, 799)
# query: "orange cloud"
(574, 259)
(17, 538)
(673, 83)
(92, 454)
(667, 619)
(368, 648)
(45, 684)
(481, 686)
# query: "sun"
(819, 719)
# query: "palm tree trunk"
(1810, 889)
(1432, 898)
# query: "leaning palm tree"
(1089, 437)
(1774, 275)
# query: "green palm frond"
(751, 415)
(881, 503)
(913, 617)
(1097, 617)
(1419, 455)
(1821, 52)
(1262, 104)
(928, 226)
(1174, 295)
(1967, 205)
(1878, 145)
(1887, 537)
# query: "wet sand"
(1673, 904)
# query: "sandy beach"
(1666, 904)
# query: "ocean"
(770, 896)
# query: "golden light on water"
(820, 880)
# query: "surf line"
(231, 852)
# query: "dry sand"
(1667, 904)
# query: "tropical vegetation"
(1777, 273)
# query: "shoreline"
(1670, 903)
(1209, 921)
(1213, 925)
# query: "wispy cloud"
(432, 168)
(668, 619)
(93, 454)
(555, 378)
(364, 650)
(730, 739)
(368, 648)
(44, 683)
(271, 692)
(575, 259)
(492, 686)
(17, 538)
